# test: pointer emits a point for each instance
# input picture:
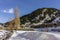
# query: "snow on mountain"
(39, 16)
(56, 20)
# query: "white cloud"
(11, 10)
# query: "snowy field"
(29, 35)
(34, 35)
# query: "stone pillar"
(17, 18)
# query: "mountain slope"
(40, 16)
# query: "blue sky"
(25, 7)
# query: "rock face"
(34, 36)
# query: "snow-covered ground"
(29, 35)
(34, 35)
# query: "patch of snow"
(56, 20)
(55, 12)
